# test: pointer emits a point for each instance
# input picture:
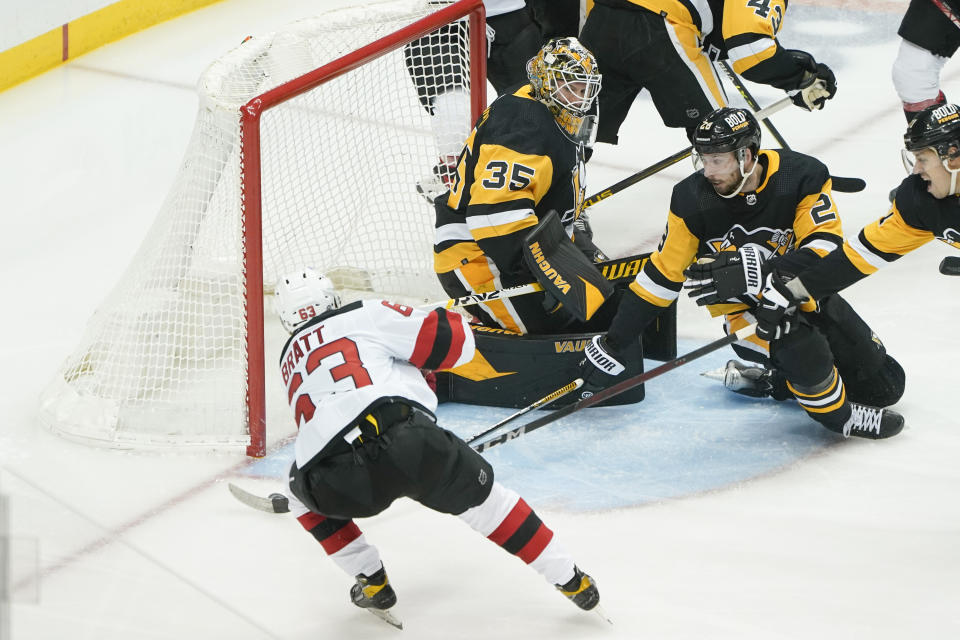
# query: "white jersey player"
(368, 436)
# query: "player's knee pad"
(803, 356)
(881, 388)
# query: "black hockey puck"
(280, 502)
(950, 266)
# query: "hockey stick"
(475, 298)
(274, 503)
(950, 266)
(643, 174)
(545, 400)
(616, 389)
(278, 503)
(841, 184)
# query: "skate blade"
(603, 614)
(716, 374)
(386, 616)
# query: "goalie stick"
(475, 298)
(616, 389)
(841, 184)
(950, 266)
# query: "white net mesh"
(163, 360)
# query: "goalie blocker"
(564, 271)
(513, 370)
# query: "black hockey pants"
(412, 457)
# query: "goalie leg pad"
(514, 371)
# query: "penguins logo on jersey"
(769, 241)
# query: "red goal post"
(307, 151)
(250, 115)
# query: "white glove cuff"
(752, 261)
(601, 359)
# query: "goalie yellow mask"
(565, 77)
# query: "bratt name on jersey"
(548, 271)
(295, 353)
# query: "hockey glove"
(728, 274)
(777, 312)
(600, 367)
(817, 84)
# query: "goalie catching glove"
(600, 367)
(724, 276)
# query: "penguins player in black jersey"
(523, 159)
(926, 207)
(666, 47)
(747, 211)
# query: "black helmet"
(937, 127)
(727, 129)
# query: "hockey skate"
(745, 379)
(581, 590)
(375, 594)
(872, 422)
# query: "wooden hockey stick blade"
(476, 298)
(616, 389)
(950, 266)
(274, 503)
(670, 160)
(545, 400)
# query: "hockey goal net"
(307, 150)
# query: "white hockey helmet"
(303, 295)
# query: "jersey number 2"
(823, 210)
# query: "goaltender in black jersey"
(523, 159)
(746, 212)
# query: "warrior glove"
(777, 312)
(728, 274)
(600, 367)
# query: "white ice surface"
(701, 516)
